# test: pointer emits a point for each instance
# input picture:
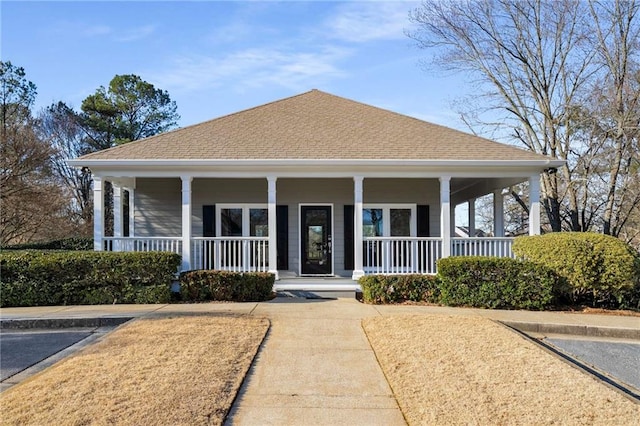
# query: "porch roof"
(314, 126)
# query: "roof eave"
(542, 163)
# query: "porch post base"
(357, 274)
(274, 273)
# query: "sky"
(219, 57)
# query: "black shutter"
(423, 221)
(348, 237)
(209, 221)
(282, 247)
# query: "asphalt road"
(616, 358)
(20, 350)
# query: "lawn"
(450, 370)
(171, 371)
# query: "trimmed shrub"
(599, 269)
(491, 282)
(73, 244)
(35, 278)
(207, 285)
(380, 289)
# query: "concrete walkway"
(315, 368)
(316, 365)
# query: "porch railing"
(238, 254)
(171, 244)
(401, 255)
(482, 246)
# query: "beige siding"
(158, 211)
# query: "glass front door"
(316, 245)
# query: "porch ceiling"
(464, 189)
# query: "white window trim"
(386, 216)
(246, 228)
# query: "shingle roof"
(314, 125)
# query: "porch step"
(317, 284)
(330, 295)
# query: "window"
(248, 220)
(389, 220)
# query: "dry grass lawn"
(448, 370)
(176, 371)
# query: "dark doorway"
(316, 240)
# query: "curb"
(23, 324)
(575, 330)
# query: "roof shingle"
(314, 125)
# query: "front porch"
(382, 255)
(333, 226)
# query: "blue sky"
(216, 58)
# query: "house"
(310, 185)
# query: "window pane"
(400, 222)
(372, 222)
(259, 222)
(231, 222)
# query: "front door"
(316, 245)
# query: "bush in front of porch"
(209, 285)
(381, 289)
(496, 283)
(600, 270)
(483, 282)
(40, 278)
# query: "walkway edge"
(53, 323)
(575, 329)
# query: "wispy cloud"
(368, 21)
(87, 30)
(94, 30)
(137, 33)
(252, 68)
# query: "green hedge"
(36, 278)
(599, 269)
(491, 282)
(381, 289)
(74, 244)
(205, 285)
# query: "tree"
(129, 109)
(60, 127)
(542, 66)
(30, 200)
(617, 113)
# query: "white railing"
(401, 255)
(238, 254)
(171, 244)
(482, 246)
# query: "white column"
(498, 213)
(98, 219)
(132, 211)
(273, 223)
(445, 215)
(117, 216)
(534, 205)
(358, 268)
(472, 217)
(186, 222)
